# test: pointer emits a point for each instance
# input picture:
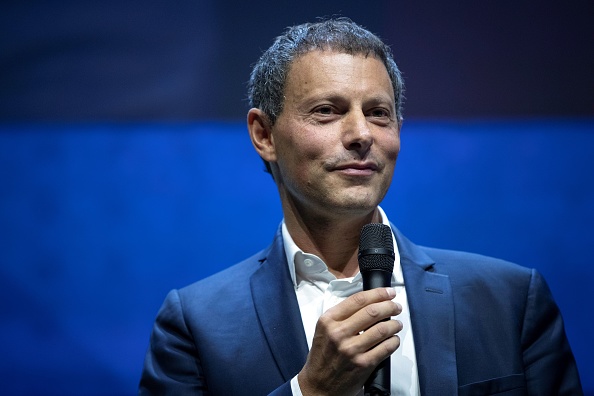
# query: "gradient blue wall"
(100, 221)
(190, 59)
(125, 168)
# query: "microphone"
(376, 263)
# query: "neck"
(335, 239)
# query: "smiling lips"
(357, 168)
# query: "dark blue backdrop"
(98, 222)
(190, 59)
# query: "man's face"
(338, 137)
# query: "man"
(292, 319)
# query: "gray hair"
(267, 81)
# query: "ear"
(261, 134)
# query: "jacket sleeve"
(171, 365)
(550, 367)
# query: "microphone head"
(376, 249)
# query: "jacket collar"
(431, 310)
(277, 308)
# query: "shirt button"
(308, 262)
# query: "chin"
(355, 206)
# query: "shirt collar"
(311, 265)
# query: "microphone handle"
(375, 279)
(378, 383)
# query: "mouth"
(357, 168)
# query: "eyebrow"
(336, 97)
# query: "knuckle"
(348, 350)
(372, 311)
(382, 330)
(388, 348)
(362, 361)
(381, 293)
(391, 344)
(359, 299)
(323, 322)
(333, 338)
(336, 335)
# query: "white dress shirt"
(318, 290)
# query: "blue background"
(99, 222)
(126, 169)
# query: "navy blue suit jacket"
(481, 326)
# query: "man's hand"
(351, 339)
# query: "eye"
(380, 113)
(324, 110)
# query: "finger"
(371, 338)
(359, 300)
(378, 353)
(378, 333)
(346, 332)
(371, 314)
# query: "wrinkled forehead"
(316, 62)
(332, 47)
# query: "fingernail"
(391, 292)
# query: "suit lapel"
(430, 303)
(431, 308)
(278, 311)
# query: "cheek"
(391, 147)
(310, 148)
(396, 148)
(298, 161)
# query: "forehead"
(320, 71)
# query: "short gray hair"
(267, 81)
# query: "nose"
(357, 136)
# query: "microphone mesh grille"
(376, 235)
